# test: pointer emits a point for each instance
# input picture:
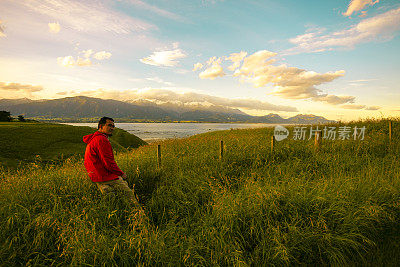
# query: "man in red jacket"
(100, 163)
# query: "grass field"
(46, 142)
(340, 206)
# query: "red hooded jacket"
(99, 158)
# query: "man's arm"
(107, 157)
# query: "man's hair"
(103, 121)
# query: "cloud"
(360, 107)
(382, 27)
(164, 58)
(288, 82)
(87, 53)
(102, 55)
(358, 5)
(66, 61)
(295, 83)
(373, 108)
(2, 34)
(159, 80)
(187, 98)
(333, 99)
(353, 106)
(69, 61)
(54, 27)
(362, 80)
(28, 88)
(155, 9)
(236, 58)
(68, 93)
(190, 97)
(197, 66)
(363, 14)
(83, 62)
(87, 16)
(254, 65)
(214, 70)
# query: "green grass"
(47, 142)
(340, 206)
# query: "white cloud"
(54, 27)
(87, 53)
(358, 5)
(187, 98)
(66, 61)
(236, 58)
(69, 61)
(214, 70)
(20, 87)
(167, 58)
(83, 62)
(87, 16)
(2, 34)
(255, 63)
(197, 66)
(381, 27)
(102, 55)
(288, 82)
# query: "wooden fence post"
(318, 140)
(221, 150)
(272, 144)
(159, 156)
(390, 131)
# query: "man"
(100, 163)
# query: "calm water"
(158, 131)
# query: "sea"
(152, 132)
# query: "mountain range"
(89, 109)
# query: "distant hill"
(82, 108)
(4, 103)
(305, 119)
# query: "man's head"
(106, 126)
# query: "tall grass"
(338, 206)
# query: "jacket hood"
(88, 138)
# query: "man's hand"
(123, 176)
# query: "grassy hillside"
(339, 206)
(28, 142)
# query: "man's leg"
(139, 218)
(122, 186)
(118, 185)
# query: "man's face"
(107, 128)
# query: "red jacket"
(99, 158)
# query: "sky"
(337, 59)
